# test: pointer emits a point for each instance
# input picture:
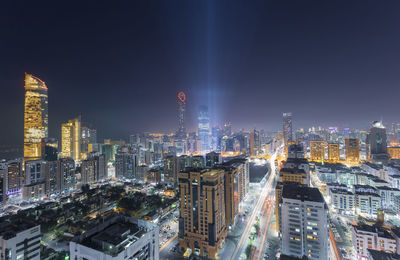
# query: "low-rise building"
(366, 237)
(19, 240)
(118, 238)
(381, 255)
(387, 196)
(343, 201)
(367, 203)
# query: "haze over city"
(159, 130)
(118, 63)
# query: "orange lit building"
(202, 224)
(35, 117)
(317, 151)
(394, 152)
(333, 152)
(352, 150)
(71, 139)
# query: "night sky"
(120, 64)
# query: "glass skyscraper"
(35, 117)
(204, 129)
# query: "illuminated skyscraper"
(287, 128)
(378, 142)
(71, 139)
(35, 117)
(254, 142)
(317, 151)
(181, 114)
(202, 224)
(352, 150)
(333, 152)
(204, 129)
(89, 136)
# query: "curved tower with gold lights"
(35, 117)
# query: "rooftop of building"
(374, 165)
(11, 229)
(295, 148)
(288, 257)
(234, 162)
(387, 188)
(301, 192)
(292, 171)
(297, 160)
(360, 186)
(396, 231)
(382, 232)
(113, 237)
(366, 193)
(342, 192)
(382, 255)
(336, 184)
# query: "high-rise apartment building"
(304, 224)
(35, 117)
(254, 142)
(171, 170)
(65, 174)
(213, 159)
(71, 139)
(202, 226)
(89, 136)
(352, 150)
(93, 169)
(34, 183)
(204, 129)
(12, 179)
(126, 163)
(378, 142)
(317, 151)
(333, 152)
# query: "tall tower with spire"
(181, 114)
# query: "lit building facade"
(254, 142)
(317, 151)
(71, 139)
(352, 150)
(171, 169)
(12, 179)
(377, 139)
(394, 152)
(35, 117)
(366, 237)
(126, 163)
(89, 136)
(93, 169)
(204, 129)
(304, 224)
(202, 228)
(333, 152)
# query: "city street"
(262, 211)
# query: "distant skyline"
(120, 64)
